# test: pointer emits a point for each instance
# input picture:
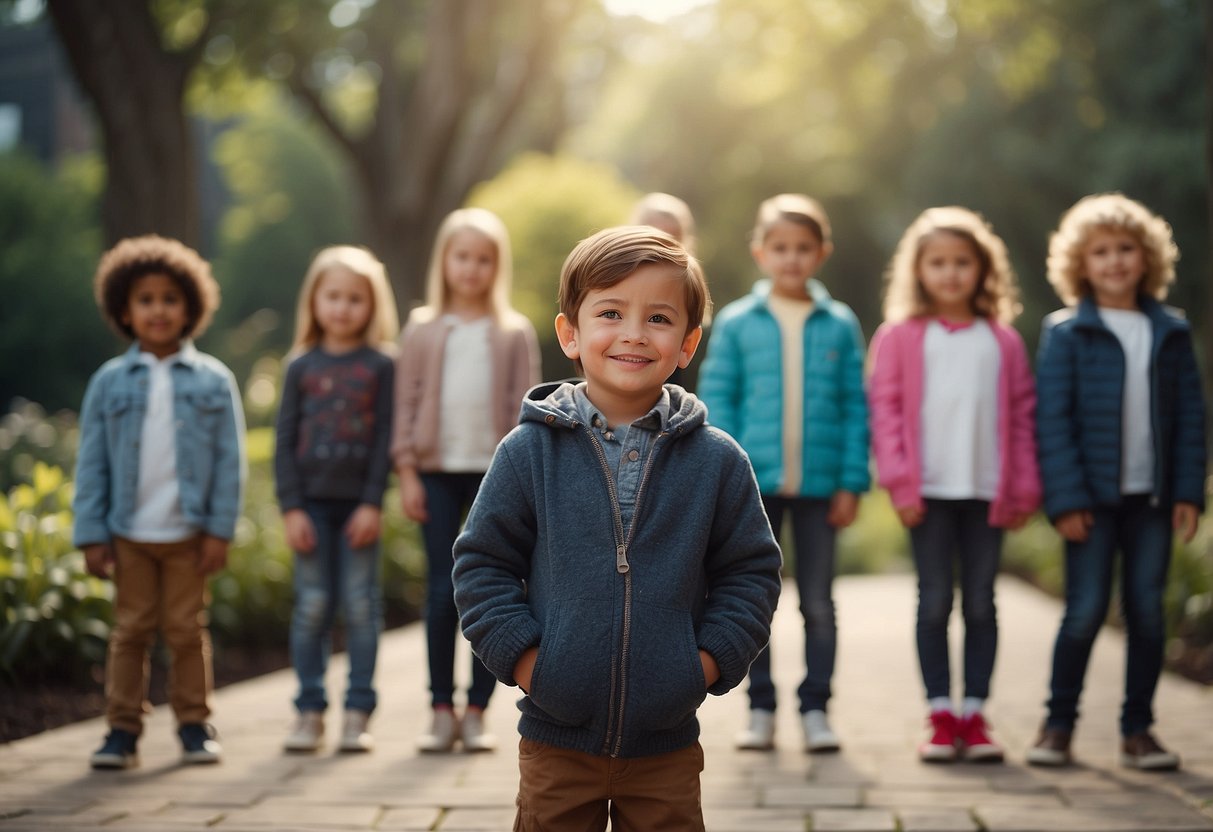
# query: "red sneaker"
(941, 747)
(975, 740)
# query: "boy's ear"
(826, 250)
(566, 334)
(756, 253)
(689, 345)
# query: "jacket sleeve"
(288, 484)
(1061, 470)
(492, 563)
(91, 500)
(743, 563)
(856, 472)
(407, 391)
(886, 398)
(720, 379)
(1025, 482)
(231, 469)
(381, 459)
(1188, 460)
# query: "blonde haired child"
(466, 360)
(331, 464)
(1121, 427)
(952, 403)
(667, 213)
(784, 377)
(159, 477)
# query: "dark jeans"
(447, 498)
(956, 531)
(1142, 533)
(813, 540)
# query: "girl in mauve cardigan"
(953, 403)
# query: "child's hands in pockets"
(362, 529)
(711, 670)
(524, 668)
(300, 534)
(99, 559)
(212, 554)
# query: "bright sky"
(658, 10)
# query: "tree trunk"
(136, 88)
(1209, 186)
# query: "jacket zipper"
(619, 675)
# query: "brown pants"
(569, 791)
(158, 588)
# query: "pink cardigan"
(515, 356)
(895, 399)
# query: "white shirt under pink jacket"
(895, 390)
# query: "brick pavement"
(876, 783)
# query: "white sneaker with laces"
(759, 735)
(354, 736)
(818, 735)
(443, 732)
(471, 732)
(307, 734)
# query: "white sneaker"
(471, 732)
(759, 735)
(443, 732)
(354, 736)
(818, 735)
(307, 734)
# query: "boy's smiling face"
(629, 338)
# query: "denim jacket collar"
(187, 355)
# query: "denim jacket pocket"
(667, 684)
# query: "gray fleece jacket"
(619, 616)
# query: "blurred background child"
(784, 377)
(158, 485)
(466, 360)
(953, 406)
(331, 464)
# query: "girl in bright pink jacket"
(952, 404)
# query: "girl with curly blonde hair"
(952, 403)
(1122, 448)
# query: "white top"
(1132, 328)
(791, 316)
(157, 517)
(465, 431)
(960, 455)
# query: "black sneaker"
(198, 743)
(117, 751)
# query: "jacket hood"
(818, 293)
(552, 403)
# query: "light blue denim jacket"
(209, 423)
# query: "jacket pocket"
(570, 682)
(665, 677)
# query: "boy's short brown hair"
(613, 254)
(135, 257)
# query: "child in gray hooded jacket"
(617, 564)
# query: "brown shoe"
(1052, 748)
(1142, 751)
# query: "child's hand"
(844, 505)
(99, 559)
(212, 554)
(911, 516)
(1184, 518)
(1074, 525)
(362, 529)
(711, 670)
(524, 668)
(300, 534)
(412, 496)
(1018, 521)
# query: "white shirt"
(960, 455)
(465, 432)
(157, 517)
(791, 316)
(1132, 328)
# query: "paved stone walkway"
(876, 783)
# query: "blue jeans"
(956, 530)
(1142, 533)
(813, 539)
(447, 498)
(334, 576)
